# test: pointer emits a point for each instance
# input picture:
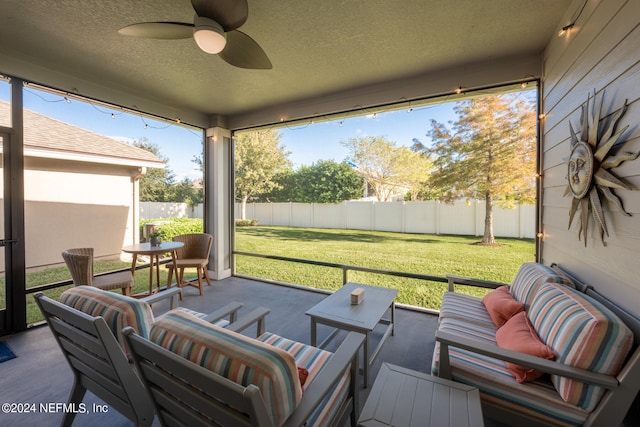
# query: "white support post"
(219, 204)
(135, 211)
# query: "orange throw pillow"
(518, 335)
(501, 305)
(302, 375)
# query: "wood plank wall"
(601, 52)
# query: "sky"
(177, 143)
(307, 143)
(321, 141)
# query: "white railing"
(403, 217)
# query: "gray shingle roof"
(44, 133)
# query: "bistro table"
(154, 253)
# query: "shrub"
(167, 228)
(246, 222)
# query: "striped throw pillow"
(234, 356)
(583, 333)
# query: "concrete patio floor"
(39, 373)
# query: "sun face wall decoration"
(589, 164)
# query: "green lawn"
(414, 253)
(61, 273)
(435, 255)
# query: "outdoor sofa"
(545, 350)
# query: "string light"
(42, 97)
(299, 124)
(359, 110)
(564, 30)
(146, 125)
(66, 97)
(526, 79)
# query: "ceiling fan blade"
(159, 30)
(230, 14)
(243, 52)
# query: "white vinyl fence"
(402, 217)
(152, 210)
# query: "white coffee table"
(337, 311)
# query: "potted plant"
(154, 239)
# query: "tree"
(155, 185)
(187, 191)
(490, 154)
(258, 158)
(282, 191)
(415, 169)
(159, 185)
(197, 160)
(326, 181)
(387, 169)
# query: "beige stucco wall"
(76, 204)
(600, 53)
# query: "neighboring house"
(81, 189)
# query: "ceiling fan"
(214, 29)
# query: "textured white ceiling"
(317, 48)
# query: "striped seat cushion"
(313, 359)
(485, 333)
(234, 356)
(221, 323)
(583, 333)
(466, 307)
(537, 399)
(117, 310)
(530, 277)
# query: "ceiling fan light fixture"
(209, 35)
